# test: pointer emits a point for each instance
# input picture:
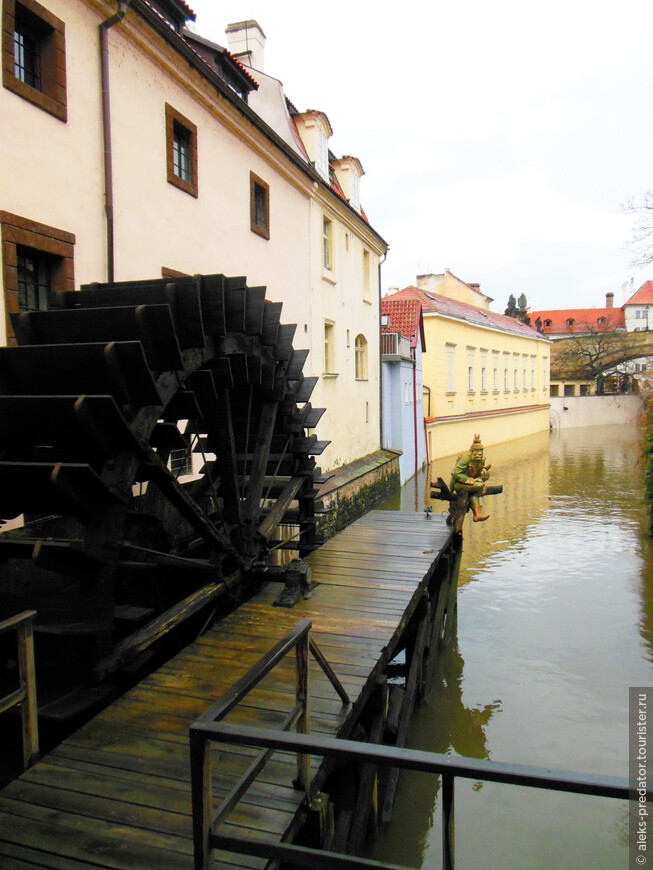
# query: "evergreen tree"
(518, 310)
(511, 310)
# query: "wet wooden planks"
(117, 793)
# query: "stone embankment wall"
(568, 412)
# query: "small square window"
(259, 206)
(34, 55)
(31, 273)
(181, 151)
(33, 276)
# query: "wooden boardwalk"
(116, 794)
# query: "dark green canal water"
(555, 622)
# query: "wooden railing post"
(200, 774)
(28, 709)
(448, 827)
(25, 695)
(304, 721)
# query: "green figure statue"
(468, 479)
(468, 484)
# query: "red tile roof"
(585, 320)
(462, 311)
(643, 296)
(187, 9)
(298, 138)
(193, 39)
(404, 317)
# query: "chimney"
(246, 41)
(609, 300)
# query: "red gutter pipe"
(105, 26)
(415, 408)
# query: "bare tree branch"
(641, 236)
(583, 351)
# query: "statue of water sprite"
(468, 483)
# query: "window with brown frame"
(36, 260)
(181, 151)
(259, 206)
(34, 55)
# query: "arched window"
(570, 321)
(361, 358)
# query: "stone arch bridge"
(582, 356)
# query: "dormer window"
(322, 163)
(355, 200)
(570, 321)
(547, 323)
(601, 321)
(348, 172)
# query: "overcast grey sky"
(499, 140)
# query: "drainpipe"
(105, 26)
(415, 409)
(427, 390)
(380, 359)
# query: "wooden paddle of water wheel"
(115, 552)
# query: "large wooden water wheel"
(103, 389)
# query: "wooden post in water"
(367, 798)
(407, 707)
(448, 828)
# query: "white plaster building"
(139, 150)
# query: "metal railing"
(202, 734)
(395, 344)
(209, 728)
(389, 756)
(25, 696)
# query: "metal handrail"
(25, 696)
(204, 819)
(389, 756)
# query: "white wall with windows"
(200, 186)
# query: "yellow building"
(483, 372)
(139, 150)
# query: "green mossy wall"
(351, 501)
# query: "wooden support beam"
(168, 561)
(434, 641)
(140, 640)
(29, 709)
(178, 495)
(252, 507)
(367, 797)
(283, 502)
(406, 711)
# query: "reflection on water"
(555, 621)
